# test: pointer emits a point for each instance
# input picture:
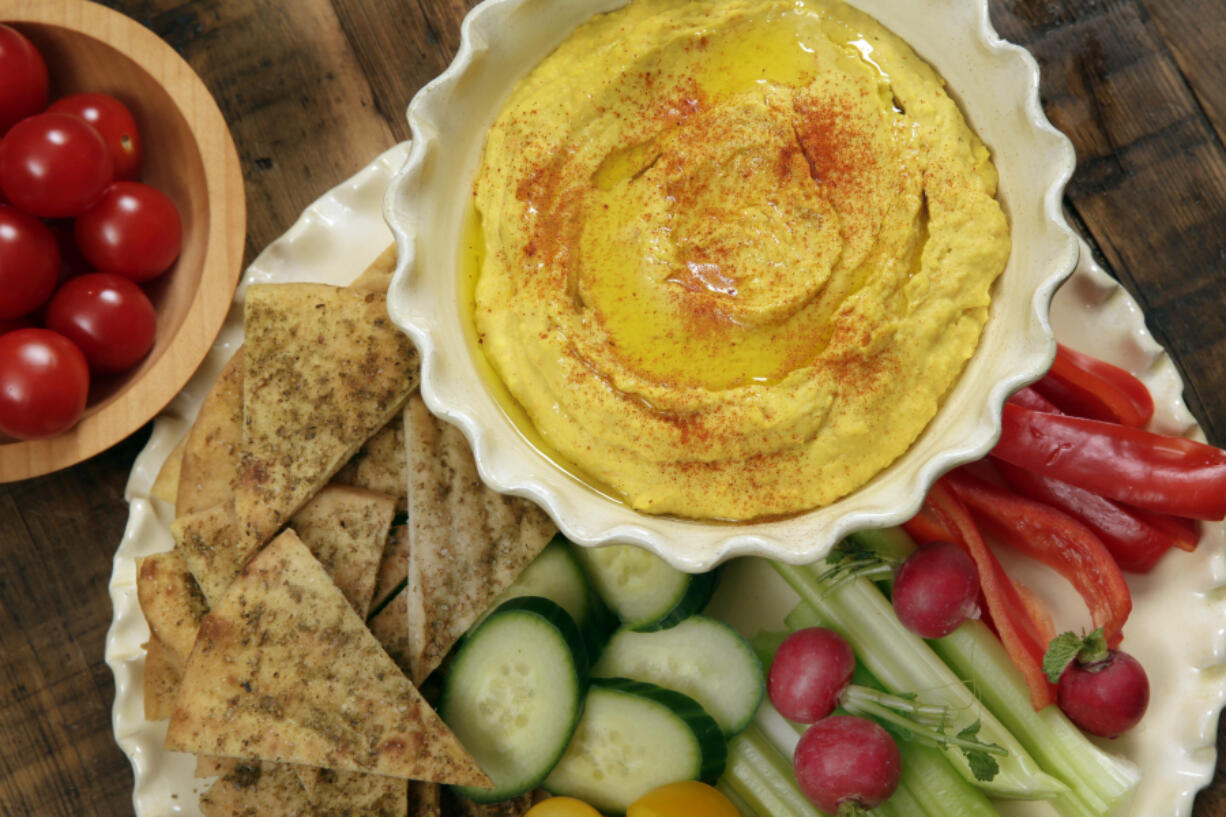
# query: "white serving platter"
(1177, 629)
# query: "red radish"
(935, 590)
(1105, 692)
(810, 671)
(846, 765)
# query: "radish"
(811, 674)
(846, 765)
(1103, 691)
(935, 590)
(810, 671)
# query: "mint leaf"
(1061, 652)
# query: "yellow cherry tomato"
(562, 807)
(689, 798)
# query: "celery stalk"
(930, 787)
(763, 778)
(904, 663)
(1096, 780)
(940, 791)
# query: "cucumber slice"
(701, 657)
(514, 693)
(555, 574)
(634, 737)
(642, 589)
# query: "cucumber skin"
(701, 589)
(553, 613)
(751, 654)
(710, 737)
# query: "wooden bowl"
(190, 156)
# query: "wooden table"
(314, 89)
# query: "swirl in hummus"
(735, 253)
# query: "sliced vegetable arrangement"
(69, 193)
(886, 692)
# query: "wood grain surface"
(314, 89)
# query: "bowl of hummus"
(731, 277)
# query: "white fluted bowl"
(997, 85)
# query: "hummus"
(734, 253)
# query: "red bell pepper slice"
(925, 529)
(1031, 399)
(1184, 532)
(1137, 467)
(1018, 631)
(1058, 541)
(1135, 544)
(1085, 386)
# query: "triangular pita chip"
(391, 627)
(354, 793)
(213, 766)
(380, 465)
(346, 529)
(284, 670)
(466, 542)
(161, 681)
(324, 369)
(424, 799)
(171, 601)
(166, 484)
(257, 790)
(394, 567)
(209, 472)
(209, 543)
(378, 276)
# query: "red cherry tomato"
(54, 165)
(29, 263)
(108, 317)
(112, 119)
(133, 231)
(72, 263)
(23, 78)
(44, 381)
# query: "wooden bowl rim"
(141, 400)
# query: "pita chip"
(466, 542)
(394, 567)
(257, 790)
(213, 766)
(424, 799)
(283, 670)
(324, 369)
(391, 627)
(209, 543)
(380, 465)
(378, 276)
(354, 793)
(171, 601)
(161, 681)
(346, 528)
(209, 471)
(166, 483)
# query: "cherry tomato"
(23, 78)
(72, 263)
(29, 263)
(44, 381)
(112, 119)
(562, 807)
(54, 165)
(9, 324)
(108, 317)
(133, 230)
(687, 798)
